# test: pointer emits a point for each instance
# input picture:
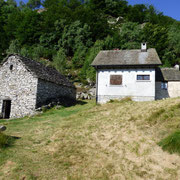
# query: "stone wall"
(47, 90)
(19, 86)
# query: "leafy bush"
(14, 47)
(59, 61)
(156, 115)
(123, 100)
(87, 71)
(171, 143)
(5, 140)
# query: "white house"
(122, 73)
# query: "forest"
(68, 34)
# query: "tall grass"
(123, 100)
(5, 140)
(171, 143)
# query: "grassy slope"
(112, 141)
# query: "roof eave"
(125, 65)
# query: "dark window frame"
(143, 77)
(164, 85)
(114, 81)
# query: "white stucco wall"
(138, 90)
(174, 88)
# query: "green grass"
(89, 141)
(5, 141)
(123, 100)
(171, 143)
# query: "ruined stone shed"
(26, 84)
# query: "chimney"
(176, 67)
(144, 47)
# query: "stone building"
(26, 84)
(167, 82)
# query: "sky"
(168, 7)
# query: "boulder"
(2, 128)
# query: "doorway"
(6, 109)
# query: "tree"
(59, 60)
(156, 36)
(14, 47)
(130, 35)
(33, 4)
(174, 37)
(29, 28)
(88, 72)
(74, 36)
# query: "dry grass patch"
(117, 140)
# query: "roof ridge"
(124, 50)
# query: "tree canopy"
(68, 34)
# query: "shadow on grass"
(79, 102)
(7, 141)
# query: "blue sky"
(168, 7)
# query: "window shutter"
(115, 79)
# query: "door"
(6, 109)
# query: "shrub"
(155, 115)
(4, 140)
(123, 100)
(171, 143)
(59, 60)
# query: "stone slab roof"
(126, 58)
(167, 74)
(43, 72)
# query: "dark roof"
(167, 74)
(43, 72)
(126, 58)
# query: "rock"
(85, 96)
(2, 128)
(92, 92)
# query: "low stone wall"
(47, 91)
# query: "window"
(115, 79)
(164, 85)
(143, 77)
(11, 67)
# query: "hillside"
(68, 34)
(117, 140)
